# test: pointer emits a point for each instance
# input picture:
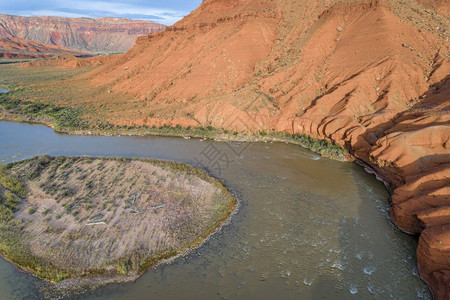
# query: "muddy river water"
(307, 227)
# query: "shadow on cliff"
(428, 164)
(431, 103)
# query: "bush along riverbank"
(72, 219)
(60, 118)
(70, 120)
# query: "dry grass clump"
(108, 217)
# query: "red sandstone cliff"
(105, 35)
(372, 76)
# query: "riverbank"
(70, 121)
(74, 220)
(290, 202)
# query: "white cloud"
(167, 16)
(54, 13)
(95, 9)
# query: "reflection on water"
(308, 228)
(3, 91)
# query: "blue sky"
(163, 11)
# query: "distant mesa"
(46, 36)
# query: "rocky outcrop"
(103, 35)
(20, 48)
(372, 76)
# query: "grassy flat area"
(109, 218)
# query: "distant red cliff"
(11, 47)
(103, 35)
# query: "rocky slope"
(372, 76)
(105, 35)
(21, 48)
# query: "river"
(307, 227)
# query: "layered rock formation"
(372, 76)
(21, 48)
(104, 35)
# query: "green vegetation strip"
(62, 117)
(70, 120)
(323, 147)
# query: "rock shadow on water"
(370, 258)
